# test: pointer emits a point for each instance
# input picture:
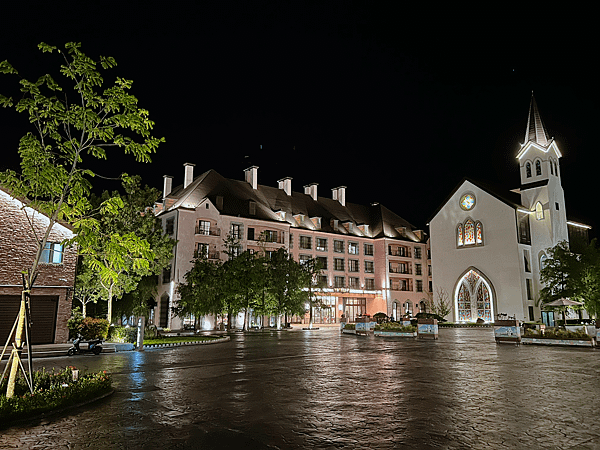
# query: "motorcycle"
(94, 346)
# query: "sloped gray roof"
(236, 196)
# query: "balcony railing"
(402, 252)
(208, 232)
(404, 271)
(399, 287)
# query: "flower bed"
(51, 391)
(557, 336)
(395, 327)
(179, 340)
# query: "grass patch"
(178, 339)
(51, 391)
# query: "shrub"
(91, 328)
(74, 323)
(395, 326)
(123, 334)
(558, 333)
(50, 391)
(350, 326)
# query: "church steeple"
(535, 131)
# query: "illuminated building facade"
(373, 260)
(488, 246)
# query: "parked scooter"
(94, 346)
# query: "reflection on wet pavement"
(320, 389)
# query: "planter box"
(349, 331)
(395, 334)
(427, 329)
(567, 342)
(507, 332)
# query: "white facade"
(516, 229)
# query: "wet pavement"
(319, 389)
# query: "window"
(235, 231)
(370, 283)
(528, 170)
(235, 251)
(339, 282)
(467, 234)
(538, 168)
(291, 240)
(305, 242)
(539, 211)
(166, 275)
(338, 264)
(418, 252)
(551, 167)
(303, 258)
(323, 260)
(354, 282)
(322, 281)
(556, 206)
(252, 208)
(170, 226)
(523, 226)
(270, 235)
(354, 307)
(52, 253)
(418, 269)
(338, 246)
(203, 227)
(528, 286)
(250, 234)
(352, 248)
(368, 249)
(353, 265)
(201, 250)
(369, 267)
(419, 285)
(321, 244)
(526, 261)
(530, 308)
(543, 261)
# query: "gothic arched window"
(473, 298)
(552, 167)
(528, 169)
(469, 232)
(538, 168)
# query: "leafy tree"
(137, 282)
(311, 269)
(590, 279)
(70, 127)
(285, 283)
(560, 274)
(87, 288)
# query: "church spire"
(535, 131)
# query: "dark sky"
(398, 104)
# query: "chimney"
(167, 185)
(286, 185)
(339, 194)
(189, 174)
(251, 176)
(311, 189)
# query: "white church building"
(487, 247)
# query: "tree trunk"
(84, 308)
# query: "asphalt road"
(322, 390)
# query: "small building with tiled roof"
(374, 260)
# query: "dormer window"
(252, 208)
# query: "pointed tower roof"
(535, 131)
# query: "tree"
(201, 291)
(138, 283)
(560, 274)
(441, 305)
(86, 288)
(71, 126)
(311, 269)
(285, 283)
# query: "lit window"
(528, 169)
(459, 232)
(539, 211)
(352, 248)
(469, 232)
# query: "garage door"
(43, 317)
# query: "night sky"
(396, 103)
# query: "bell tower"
(541, 190)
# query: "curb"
(180, 344)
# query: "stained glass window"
(473, 299)
(528, 170)
(479, 233)
(484, 309)
(538, 167)
(460, 234)
(469, 232)
(464, 303)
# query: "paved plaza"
(322, 390)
